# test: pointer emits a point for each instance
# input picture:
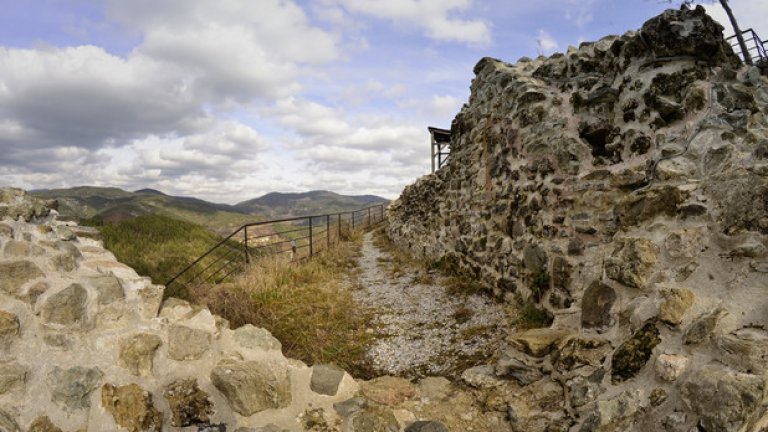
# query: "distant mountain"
(110, 205)
(277, 204)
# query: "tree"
(734, 24)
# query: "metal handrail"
(757, 51)
(353, 219)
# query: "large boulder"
(689, 33)
(16, 274)
(721, 397)
(251, 386)
(71, 388)
(67, 307)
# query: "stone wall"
(88, 345)
(623, 188)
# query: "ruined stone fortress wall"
(622, 187)
(87, 346)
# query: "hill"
(111, 205)
(276, 204)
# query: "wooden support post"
(353, 221)
(310, 236)
(327, 231)
(339, 221)
(245, 242)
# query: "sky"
(226, 100)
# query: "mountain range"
(110, 205)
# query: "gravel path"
(423, 330)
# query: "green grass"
(156, 245)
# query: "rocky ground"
(422, 330)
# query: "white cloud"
(331, 141)
(579, 12)
(433, 16)
(545, 43)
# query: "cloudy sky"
(229, 99)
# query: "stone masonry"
(622, 189)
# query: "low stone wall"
(620, 187)
(87, 344)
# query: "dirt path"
(424, 330)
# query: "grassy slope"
(304, 305)
(156, 245)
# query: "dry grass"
(302, 304)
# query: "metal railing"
(755, 46)
(295, 238)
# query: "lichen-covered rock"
(538, 342)
(648, 204)
(722, 398)
(388, 390)
(12, 376)
(745, 349)
(108, 289)
(634, 353)
(373, 419)
(632, 262)
(585, 389)
(702, 328)
(131, 407)
(71, 388)
(326, 379)
(676, 303)
(9, 326)
(687, 32)
(426, 426)
(16, 274)
(669, 367)
(596, 305)
(189, 405)
(137, 352)
(43, 424)
(185, 343)
(21, 248)
(15, 204)
(252, 337)
(67, 307)
(251, 386)
(513, 365)
(8, 423)
(612, 411)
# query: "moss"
(540, 284)
(532, 316)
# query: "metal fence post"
(353, 220)
(310, 236)
(245, 238)
(339, 221)
(327, 231)
(369, 216)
